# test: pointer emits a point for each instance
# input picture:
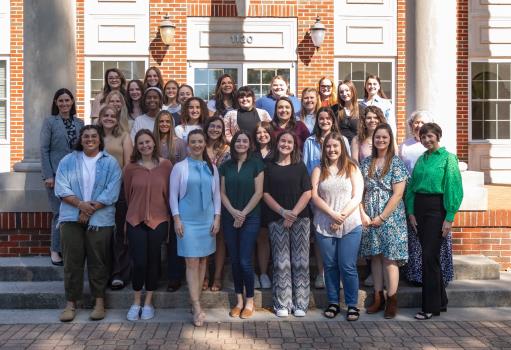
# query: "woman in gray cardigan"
(58, 136)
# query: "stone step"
(50, 295)
(39, 268)
(475, 267)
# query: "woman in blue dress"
(384, 237)
(195, 205)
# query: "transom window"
(491, 100)
(130, 69)
(358, 72)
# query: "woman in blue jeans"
(241, 190)
(337, 188)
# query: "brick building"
(449, 57)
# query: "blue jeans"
(240, 243)
(340, 261)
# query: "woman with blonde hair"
(310, 106)
(118, 144)
(279, 87)
(326, 88)
(116, 99)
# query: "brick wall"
(80, 97)
(16, 79)
(487, 233)
(23, 234)
(462, 81)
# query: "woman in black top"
(348, 110)
(287, 191)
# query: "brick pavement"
(260, 335)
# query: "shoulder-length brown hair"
(234, 153)
(345, 164)
(296, 156)
(106, 86)
(268, 126)
(363, 132)
(136, 155)
(380, 92)
(205, 156)
(165, 97)
(354, 111)
(204, 114)
(158, 136)
(221, 142)
(391, 151)
(317, 130)
(158, 73)
(292, 121)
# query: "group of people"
(159, 165)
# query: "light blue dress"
(197, 213)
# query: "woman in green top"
(241, 189)
(433, 197)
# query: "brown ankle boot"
(391, 307)
(378, 303)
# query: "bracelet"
(381, 218)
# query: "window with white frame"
(357, 71)
(256, 75)
(3, 100)
(259, 78)
(491, 100)
(205, 80)
(130, 69)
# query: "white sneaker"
(147, 312)
(134, 313)
(265, 281)
(319, 283)
(369, 281)
(257, 284)
(299, 313)
(282, 313)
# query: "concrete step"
(50, 295)
(475, 267)
(39, 268)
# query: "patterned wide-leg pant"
(290, 252)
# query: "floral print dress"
(391, 238)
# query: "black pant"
(430, 215)
(175, 263)
(145, 248)
(121, 260)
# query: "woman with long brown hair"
(337, 188)
(114, 80)
(385, 235)
(348, 110)
(361, 144)
(224, 98)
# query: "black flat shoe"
(57, 263)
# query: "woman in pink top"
(146, 185)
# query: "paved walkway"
(173, 331)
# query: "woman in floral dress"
(385, 235)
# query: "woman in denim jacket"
(88, 183)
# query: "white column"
(435, 68)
